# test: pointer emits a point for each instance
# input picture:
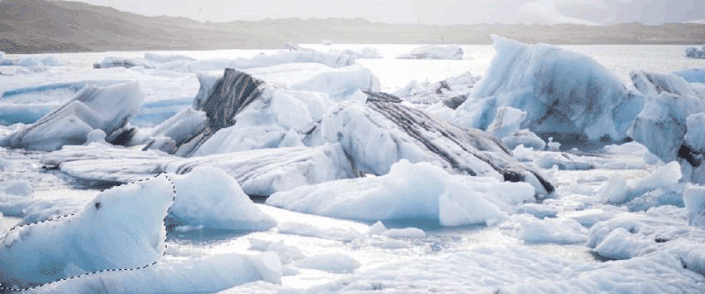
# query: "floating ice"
(694, 198)
(618, 191)
(259, 172)
(121, 228)
(663, 124)
(562, 92)
(106, 108)
(409, 191)
(548, 230)
(210, 198)
(364, 53)
(453, 52)
(379, 133)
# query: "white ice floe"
(259, 172)
(333, 262)
(409, 191)
(363, 53)
(694, 199)
(561, 92)
(107, 108)
(121, 228)
(210, 198)
(451, 52)
(548, 230)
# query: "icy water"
(525, 253)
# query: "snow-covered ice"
(435, 52)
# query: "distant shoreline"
(98, 29)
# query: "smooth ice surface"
(561, 91)
(120, 228)
(409, 191)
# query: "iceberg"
(694, 52)
(450, 52)
(410, 191)
(121, 228)
(566, 95)
(210, 198)
(452, 91)
(110, 62)
(266, 116)
(670, 125)
(259, 172)
(107, 108)
(380, 132)
(364, 53)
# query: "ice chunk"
(525, 138)
(618, 191)
(694, 199)
(454, 52)
(210, 198)
(166, 58)
(452, 91)
(107, 108)
(506, 122)
(95, 136)
(332, 233)
(620, 244)
(259, 172)
(379, 133)
(692, 75)
(694, 52)
(109, 62)
(120, 228)
(409, 191)
(547, 230)
(334, 262)
(695, 136)
(562, 92)
(663, 123)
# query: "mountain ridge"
(38, 26)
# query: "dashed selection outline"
(173, 199)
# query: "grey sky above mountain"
(442, 12)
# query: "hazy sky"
(427, 11)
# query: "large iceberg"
(106, 108)
(410, 191)
(266, 116)
(259, 172)
(566, 95)
(671, 123)
(450, 52)
(121, 228)
(378, 133)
